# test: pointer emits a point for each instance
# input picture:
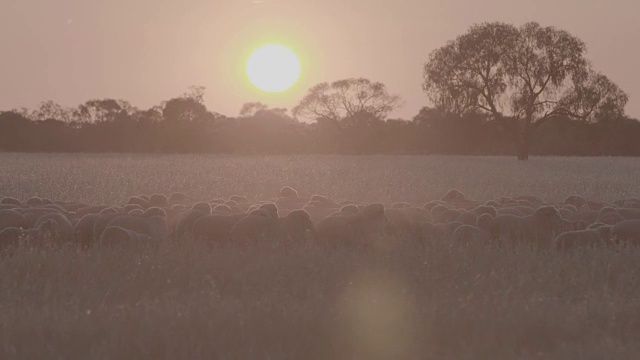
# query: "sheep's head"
(484, 221)
(454, 196)
(288, 192)
(577, 201)
(203, 207)
(349, 209)
(548, 216)
(271, 208)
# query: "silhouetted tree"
(346, 98)
(187, 124)
(522, 76)
(15, 132)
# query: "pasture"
(186, 300)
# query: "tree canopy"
(521, 76)
(347, 98)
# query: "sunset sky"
(146, 51)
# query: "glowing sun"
(273, 68)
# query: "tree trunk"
(523, 146)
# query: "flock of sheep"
(319, 221)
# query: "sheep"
(118, 237)
(597, 225)
(565, 213)
(446, 216)
(610, 217)
(589, 216)
(510, 211)
(10, 207)
(249, 229)
(352, 231)
(219, 201)
(68, 207)
(627, 231)
(317, 213)
(12, 238)
(339, 231)
(322, 201)
(239, 199)
(583, 238)
(139, 201)
(12, 218)
(64, 234)
(128, 207)
(90, 210)
(437, 210)
(349, 209)
(401, 205)
(289, 203)
(538, 228)
(10, 201)
(181, 224)
(109, 210)
(569, 207)
(418, 215)
(288, 192)
(630, 213)
(34, 201)
(203, 207)
(493, 204)
(431, 204)
(485, 209)
(629, 203)
(465, 235)
(155, 227)
(222, 209)
(158, 200)
(272, 209)
(136, 212)
(155, 211)
(83, 230)
(398, 222)
(101, 223)
(215, 229)
(530, 199)
(577, 201)
(296, 224)
(468, 218)
(454, 196)
(261, 212)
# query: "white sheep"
(83, 230)
(64, 233)
(12, 218)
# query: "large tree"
(347, 98)
(350, 113)
(521, 76)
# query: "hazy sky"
(146, 51)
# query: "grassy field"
(190, 302)
(110, 178)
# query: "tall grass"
(180, 302)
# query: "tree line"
(495, 90)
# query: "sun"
(273, 68)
